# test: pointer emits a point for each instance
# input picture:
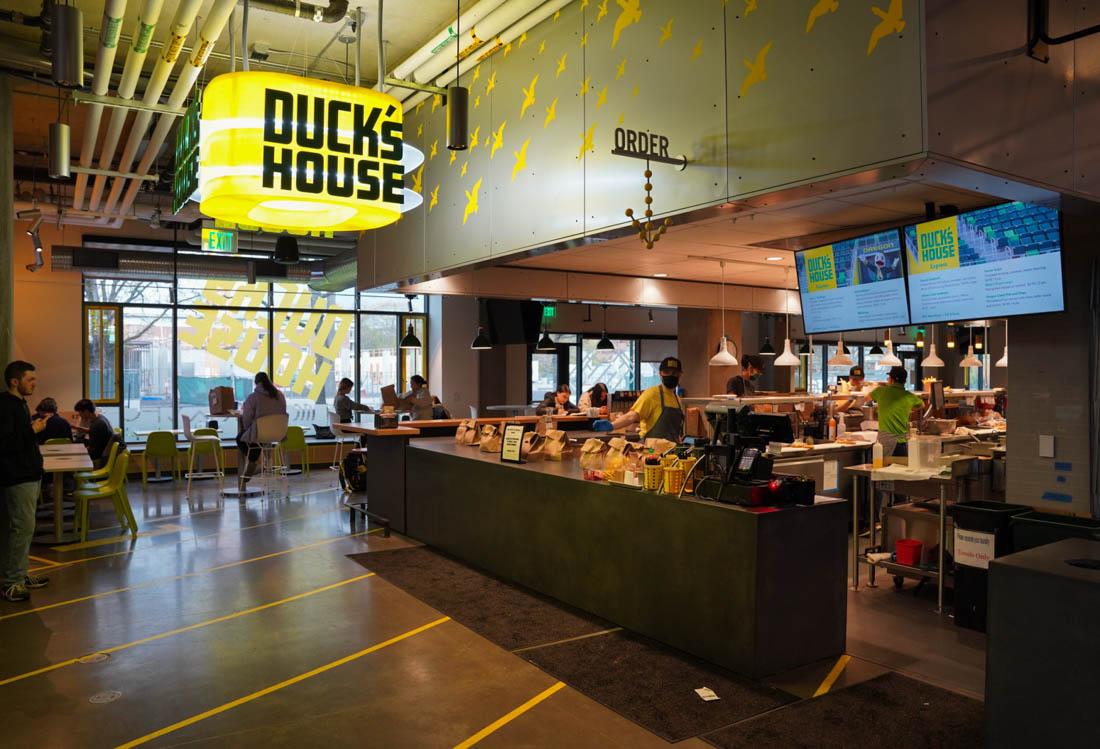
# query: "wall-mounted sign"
(185, 182)
(219, 240)
(645, 145)
(284, 152)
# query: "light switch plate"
(1046, 445)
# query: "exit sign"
(549, 312)
(219, 240)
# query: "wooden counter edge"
(371, 432)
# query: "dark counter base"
(757, 593)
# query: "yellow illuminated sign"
(284, 152)
(820, 268)
(937, 246)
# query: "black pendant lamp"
(410, 341)
(286, 249)
(767, 349)
(458, 98)
(804, 349)
(876, 350)
(605, 343)
(546, 343)
(481, 341)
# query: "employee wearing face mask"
(743, 385)
(658, 411)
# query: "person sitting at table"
(418, 399)
(557, 403)
(264, 400)
(99, 434)
(57, 426)
(439, 411)
(594, 397)
(344, 406)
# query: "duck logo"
(283, 152)
(820, 269)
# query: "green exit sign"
(219, 240)
(549, 312)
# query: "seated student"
(57, 426)
(99, 434)
(264, 400)
(344, 406)
(419, 398)
(594, 397)
(557, 403)
(439, 411)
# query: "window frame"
(117, 309)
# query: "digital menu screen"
(994, 262)
(853, 285)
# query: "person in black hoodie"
(57, 426)
(20, 482)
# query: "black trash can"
(1033, 529)
(982, 532)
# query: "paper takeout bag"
(531, 448)
(472, 438)
(658, 445)
(592, 454)
(461, 434)
(555, 444)
(490, 438)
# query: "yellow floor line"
(148, 583)
(601, 633)
(124, 538)
(188, 628)
(834, 674)
(40, 560)
(276, 687)
(505, 719)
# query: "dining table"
(59, 460)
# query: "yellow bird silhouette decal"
(551, 113)
(586, 85)
(601, 11)
(477, 74)
(602, 98)
(542, 46)
(821, 8)
(521, 159)
(418, 179)
(436, 100)
(464, 165)
(522, 39)
(750, 6)
(584, 4)
(474, 136)
(757, 70)
(697, 50)
(587, 143)
(477, 102)
(471, 201)
(454, 157)
(435, 149)
(434, 201)
(507, 48)
(420, 130)
(622, 117)
(491, 83)
(528, 97)
(498, 139)
(557, 15)
(584, 40)
(631, 14)
(666, 33)
(891, 23)
(419, 107)
(561, 66)
(621, 70)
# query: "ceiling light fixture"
(840, 358)
(723, 358)
(876, 350)
(950, 335)
(920, 338)
(1003, 361)
(410, 341)
(787, 358)
(651, 317)
(605, 343)
(807, 348)
(660, 275)
(773, 259)
(286, 250)
(890, 359)
(978, 341)
(481, 341)
(767, 349)
(970, 361)
(932, 360)
(458, 97)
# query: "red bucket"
(908, 551)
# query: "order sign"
(973, 548)
(283, 152)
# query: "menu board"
(994, 262)
(853, 285)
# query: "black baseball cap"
(671, 363)
(856, 371)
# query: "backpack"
(353, 472)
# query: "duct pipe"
(525, 24)
(162, 266)
(468, 19)
(113, 10)
(245, 54)
(177, 34)
(336, 273)
(335, 11)
(181, 27)
(475, 36)
(211, 29)
(380, 83)
(232, 43)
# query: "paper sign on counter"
(973, 548)
(707, 694)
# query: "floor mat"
(890, 710)
(654, 685)
(506, 614)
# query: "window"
(148, 354)
(613, 368)
(102, 324)
(650, 353)
(377, 356)
(632, 365)
(545, 367)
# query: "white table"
(74, 448)
(59, 465)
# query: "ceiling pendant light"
(605, 343)
(840, 358)
(920, 338)
(458, 97)
(723, 358)
(481, 341)
(950, 335)
(67, 22)
(286, 250)
(891, 359)
(787, 358)
(410, 341)
(932, 360)
(970, 361)
(1003, 361)
(806, 349)
(767, 349)
(876, 350)
(978, 341)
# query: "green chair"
(204, 441)
(84, 478)
(59, 441)
(113, 489)
(295, 441)
(160, 446)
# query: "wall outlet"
(1046, 445)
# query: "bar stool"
(202, 441)
(342, 438)
(270, 431)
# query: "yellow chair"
(113, 489)
(83, 478)
(59, 441)
(295, 442)
(158, 446)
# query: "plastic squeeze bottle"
(832, 427)
(876, 455)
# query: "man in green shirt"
(894, 403)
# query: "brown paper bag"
(473, 435)
(659, 445)
(592, 454)
(490, 438)
(555, 444)
(460, 433)
(531, 449)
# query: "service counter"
(758, 592)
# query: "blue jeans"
(17, 511)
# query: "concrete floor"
(245, 624)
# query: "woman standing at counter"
(658, 411)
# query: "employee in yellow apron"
(658, 411)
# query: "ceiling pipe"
(333, 12)
(113, 10)
(177, 34)
(211, 29)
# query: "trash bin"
(982, 532)
(1040, 528)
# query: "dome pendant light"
(481, 341)
(807, 348)
(767, 349)
(286, 250)
(410, 341)
(970, 361)
(1003, 361)
(723, 358)
(605, 343)
(841, 358)
(932, 360)
(787, 358)
(891, 359)
(876, 350)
